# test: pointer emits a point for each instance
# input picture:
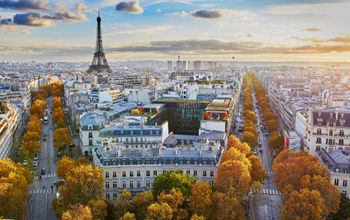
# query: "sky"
(249, 30)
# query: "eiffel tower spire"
(99, 63)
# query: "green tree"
(173, 179)
(140, 202)
(122, 204)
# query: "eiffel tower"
(99, 63)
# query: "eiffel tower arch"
(99, 62)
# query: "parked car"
(25, 162)
(261, 150)
(44, 139)
(35, 163)
(35, 157)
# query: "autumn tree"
(128, 216)
(82, 184)
(31, 136)
(64, 167)
(235, 154)
(233, 173)
(158, 211)
(14, 181)
(305, 204)
(228, 205)
(250, 115)
(236, 143)
(175, 200)
(58, 114)
(38, 107)
(57, 88)
(200, 200)
(276, 141)
(249, 138)
(272, 125)
(258, 172)
(196, 217)
(98, 208)
(77, 212)
(61, 137)
(57, 103)
(34, 124)
(140, 202)
(173, 179)
(122, 204)
(267, 115)
(31, 147)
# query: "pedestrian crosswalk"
(42, 191)
(266, 191)
(46, 176)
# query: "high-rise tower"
(99, 63)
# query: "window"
(319, 131)
(107, 174)
(90, 134)
(318, 140)
(131, 184)
(341, 142)
(204, 173)
(336, 182)
(90, 142)
(124, 184)
(341, 133)
(107, 185)
(194, 172)
(345, 183)
(211, 173)
(331, 132)
(131, 173)
(148, 173)
(124, 173)
(107, 196)
(138, 173)
(114, 174)
(138, 184)
(154, 172)
(115, 195)
(318, 147)
(188, 172)
(148, 183)
(115, 184)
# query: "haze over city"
(255, 30)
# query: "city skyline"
(162, 29)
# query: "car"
(35, 157)
(59, 154)
(45, 135)
(266, 134)
(35, 163)
(255, 152)
(25, 162)
(260, 145)
(261, 150)
(44, 139)
(43, 171)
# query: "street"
(42, 190)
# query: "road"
(42, 190)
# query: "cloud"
(144, 31)
(25, 5)
(39, 19)
(215, 47)
(342, 40)
(159, 10)
(132, 7)
(207, 14)
(81, 7)
(312, 29)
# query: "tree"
(38, 107)
(61, 137)
(31, 136)
(200, 200)
(158, 211)
(34, 124)
(196, 217)
(58, 114)
(267, 115)
(229, 206)
(258, 172)
(233, 173)
(234, 154)
(249, 138)
(57, 88)
(128, 216)
(83, 183)
(173, 179)
(57, 103)
(175, 200)
(250, 115)
(77, 212)
(31, 147)
(122, 204)
(64, 167)
(236, 143)
(276, 141)
(251, 129)
(14, 181)
(98, 208)
(305, 204)
(140, 202)
(344, 209)
(272, 125)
